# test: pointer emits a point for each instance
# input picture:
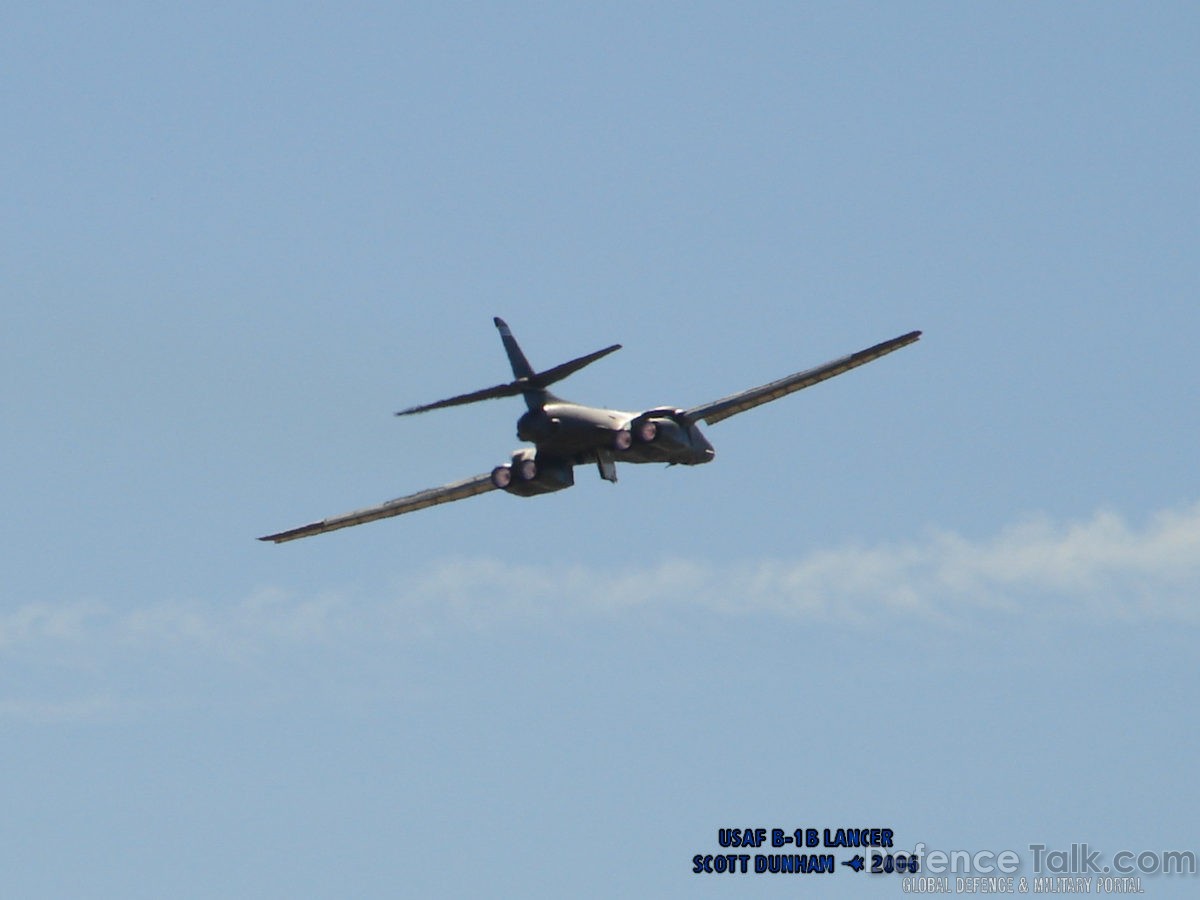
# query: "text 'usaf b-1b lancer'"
(566, 434)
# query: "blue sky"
(954, 593)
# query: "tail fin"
(532, 384)
(520, 365)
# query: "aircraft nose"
(703, 450)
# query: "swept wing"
(459, 490)
(730, 406)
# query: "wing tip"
(293, 533)
(902, 341)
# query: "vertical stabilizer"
(520, 365)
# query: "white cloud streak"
(1104, 569)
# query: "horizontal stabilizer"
(558, 373)
(511, 389)
(527, 380)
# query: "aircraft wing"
(730, 406)
(459, 490)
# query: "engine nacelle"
(645, 431)
(528, 476)
(658, 427)
(665, 434)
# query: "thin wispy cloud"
(90, 708)
(1104, 568)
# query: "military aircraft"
(565, 435)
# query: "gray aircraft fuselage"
(566, 435)
(570, 430)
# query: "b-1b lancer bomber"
(565, 434)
